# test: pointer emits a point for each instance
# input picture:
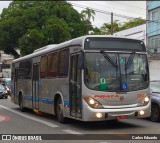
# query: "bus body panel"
(25, 86)
(48, 90)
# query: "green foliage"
(117, 26)
(86, 16)
(28, 25)
(97, 31)
(106, 28)
(132, 23)
(31, 41)
(56, 30)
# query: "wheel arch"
(56, 96)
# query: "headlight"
(145, 101)
(7, 89)
(92, 102)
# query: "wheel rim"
(154, 113)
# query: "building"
(5, 64)
(137, 32)
(153, 27)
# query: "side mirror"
(80, 61)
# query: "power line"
(101, 11)
(130, 5)
(119, 9)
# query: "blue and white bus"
(90, 78)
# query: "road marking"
(4, 118)
(1, 118)
(31, 118)
(72, 132)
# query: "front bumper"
(3, 95)
(89, 114)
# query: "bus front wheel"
(155, 113)
(59, 111)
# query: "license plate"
(122, 117)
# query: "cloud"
(4, 4)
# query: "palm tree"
(106, 28)
(86, 16)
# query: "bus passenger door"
(75, 88)
(35, 86)
(16, 85)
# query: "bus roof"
(77, 41)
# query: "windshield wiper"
(155, 91)
(109, 58)
(130, 60)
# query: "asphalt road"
(13, 121)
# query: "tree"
(132, 23)
(28, 25)
(117, 26)
(31, 41)
(106, 28)
(86, 16)
(96, 31)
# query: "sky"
(129, 9)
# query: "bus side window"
(22, 72)
(63, 63)
(43, 67)
(28, 69)
(52, 65)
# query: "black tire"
(4, 97)
(59, 111)
(21, 104)
(155, 113)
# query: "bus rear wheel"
(59, 111)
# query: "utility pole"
(111, 23)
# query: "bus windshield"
(116, 72)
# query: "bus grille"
(122, 113)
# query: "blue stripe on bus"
(44, 100)
(28, 97)
(66, 103)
